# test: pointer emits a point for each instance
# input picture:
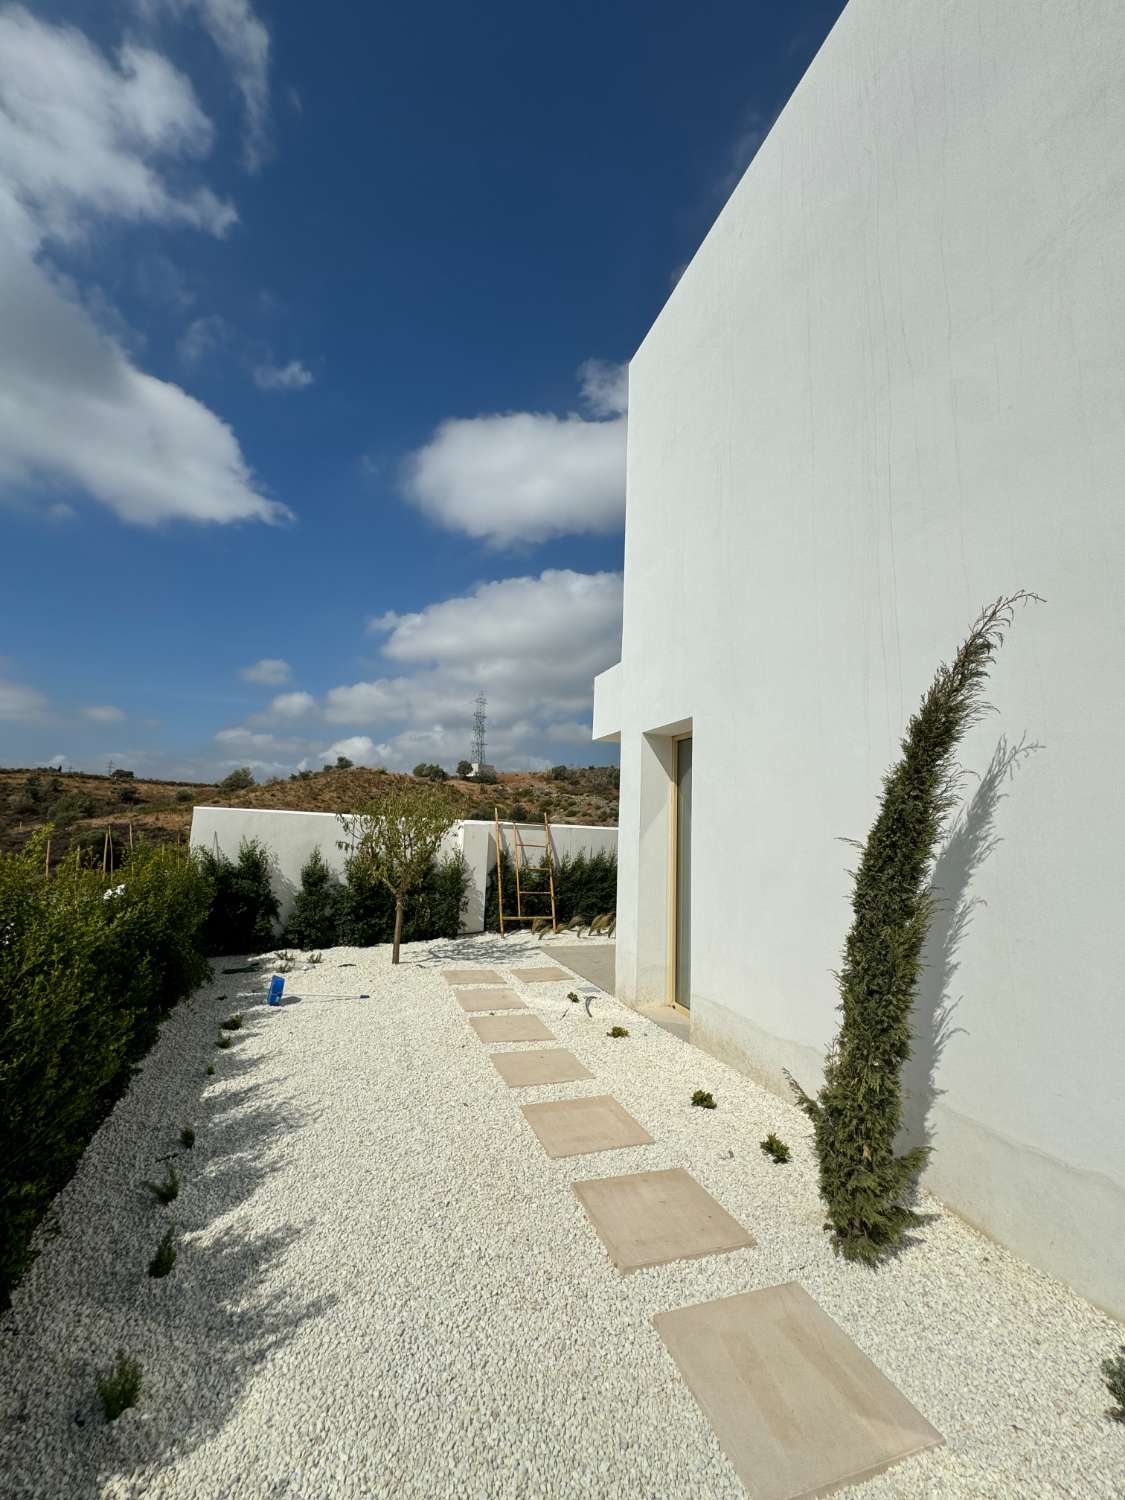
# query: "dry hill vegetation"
(82, 806)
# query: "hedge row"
(585, 886)
(86, 974)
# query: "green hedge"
(585, 885)
(367, 908)
(87, 971)
(243, 905)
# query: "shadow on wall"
(971, 840)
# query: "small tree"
(396, 838)
(343, 763)
(426, 770)
(239, 780)
(464, 768)
(858, 1111)
(314, 920)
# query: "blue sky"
(313, 322)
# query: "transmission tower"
(478, 755)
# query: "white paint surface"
(291, 838)
(890, 387)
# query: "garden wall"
(292, 836)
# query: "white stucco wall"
(890, 387)
(291, 838)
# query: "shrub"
(560, 773)
(165, 1257)
(518, 813)
(583, 883)
(774, 1147)
(617, 1031)
(184, 794)
(428, 771)
(239, 780)
(343, 763)
(120, 1386)
(121, 775)
(1114, 1372)
(210, 1069)
(90, 849)
(232, 1023)
(223, 1042)
(187, 1137)
(703, 1099)
(168, 1190)
(315, 919)
(128, 793)
(22, 802)
(243, 905)
(367, 908)
(857, 1113)
(84, 983)
(464, 768)
(72, 806)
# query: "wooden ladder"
(522, 866)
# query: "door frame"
(673, 871)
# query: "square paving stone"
(474, 1000)
(795, 1405)
(527, 1028)
(543, 976)
(471, 976)
(576, 1127)
(520, 1070)
(650, 1218)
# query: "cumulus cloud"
(291, 377)
(249, 739)
(20, 704)
(292, 705)
(360, 748)
(201, 337)
(528, 476)
(536, 678)
(271, 670)
(83, 139)
(244, 43)
(104, 713)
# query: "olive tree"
(396, 837)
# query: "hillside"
(81, 806)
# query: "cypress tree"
(314, 920)
(857, 1113)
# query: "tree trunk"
(398, 929)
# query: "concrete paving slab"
(577, 1127)
(527, 1028)
(471, 976)
(594, 961)
(521, 1070)
(798, 1409)
(650, 1218)
(543, 976)
(477, 1000)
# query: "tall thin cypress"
(858, 1111)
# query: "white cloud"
(20, 704)
(104, 713)
(536, 678)
(81, 138)
(271, 670)
(527, 476)
(201, 337)
(291, 377)
(605, 387)
(248, 738)
(244, 42)
(292, 705)
(360, 748)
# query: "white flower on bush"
(114, 890)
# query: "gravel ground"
(385, 1288)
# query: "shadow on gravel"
(200, 1333)
(484, 948)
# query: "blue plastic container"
(277, 984)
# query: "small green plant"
(617, 1031)
(120, 1386)
(165, 1257)
(232, 1023)
(187, 1137)
(284, 962)
(166, 1191)
(224, 1041)
(703, 1099)
(1114, 1372)
(572, 997)
(210, 1069)
(315, 958)
(775, 1148)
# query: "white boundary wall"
(889, 387)
(291, 838)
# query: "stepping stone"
(471, 976)
(474, 1000)
(527, 1028)
(520, 1070)
(576, 1127)
(795, 1405)
(651, 1218)
(543, 976)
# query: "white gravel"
(385, 1288)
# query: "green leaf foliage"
(1114, 1372)
(583, 883)
(85, 979)
(243, 906)
(857, 1113)
(120, 1386)
(432, 910)
(314, 921)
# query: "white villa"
(889, 388)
